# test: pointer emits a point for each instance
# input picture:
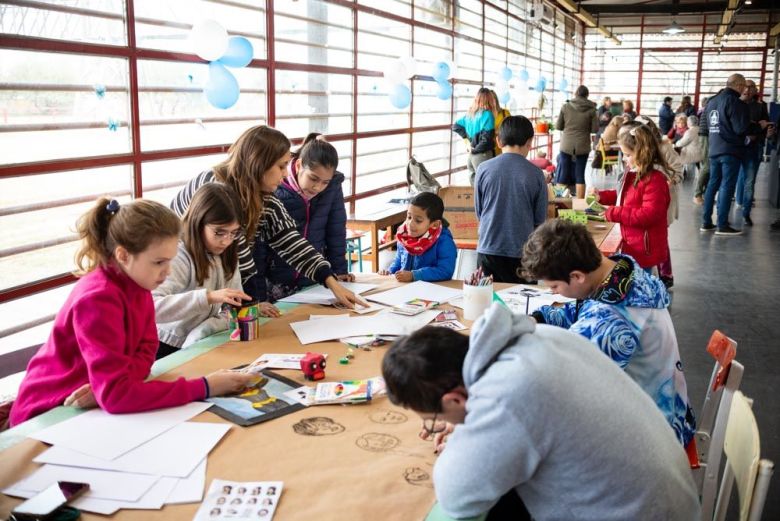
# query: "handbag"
(418, 179)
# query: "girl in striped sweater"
(256, 164)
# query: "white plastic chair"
(743, 464)
(713, 418)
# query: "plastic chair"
(354, 245)
(713, 418)
(743, 449)
(610, 155)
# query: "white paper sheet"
(95, 432)
(315, 317)
(175, 452)
(322, 295)
(277, 361)
(419, 289)
(383, 323)
(103, 484)
(100, 506)
(526, 299)
(189, 489)
(154, 499)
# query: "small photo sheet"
(240, 500)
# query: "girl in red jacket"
(104, 338)
(643, 198)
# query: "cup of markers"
(243, 321)
(477, 294)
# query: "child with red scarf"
(426, 250)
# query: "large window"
(105, 97)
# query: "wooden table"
(374, 221)
(606, 235)
(325, 477)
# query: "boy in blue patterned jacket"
(620, 308)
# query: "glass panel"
(375, 112)
(29, 309)
(175, 113)
(344, 148)
(381, 40)
(468, 19)
(381, 161)
(432, 149)
(495, 26)
(39, 215)
(429, 110)
(434, 12)
(93, 21)
(468, 57)
(397, 7)
(431, 47)
(164, 179)
(313, 102)
(76, 104)
(314, 32)
(166, 25)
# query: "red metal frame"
(136, 156)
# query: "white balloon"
(410, 65)
(501, 86)
(209, 39)
(395, 72)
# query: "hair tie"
(633, 131)
(112, 207)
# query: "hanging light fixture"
(675, 28)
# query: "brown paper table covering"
(374, 467)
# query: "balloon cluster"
(502, 85)
(213, 44)
(396, 73)
(441, 74)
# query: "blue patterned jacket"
(627, 318)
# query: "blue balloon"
(524, 75)
(222, 88)
(506, 73)
(441, 71)
(564, 84)
(445, 90)
(504, 98)
(541, 84)
(400, 96)
(239, 52)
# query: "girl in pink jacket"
(104, 338)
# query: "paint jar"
(244, 323)
(476, 300)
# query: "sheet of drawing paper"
(419, 289)
(103, 484)
(189, 489)
(175, 452)
(94, 432)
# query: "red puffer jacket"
(642, 217)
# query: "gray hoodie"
(183, 313)
(577, 119)
(549, 415)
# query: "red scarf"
(417, 245)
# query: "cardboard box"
(459, 211)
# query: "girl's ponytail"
(134, 226)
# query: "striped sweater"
(275, 227)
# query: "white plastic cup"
(476, 300)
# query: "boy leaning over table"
(534, 411)
(620, 308)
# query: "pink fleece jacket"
(104, 335)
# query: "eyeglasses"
(430, 426)
(224, 234)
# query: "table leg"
(375, 247)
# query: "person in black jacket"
(728, 120)
(477, 128)
(755, 149)
(666, 116)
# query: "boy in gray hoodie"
(537, 410)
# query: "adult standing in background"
(577, 120)
(605, 116)
(689, 146)
(686, 107)
(666, 116)
(703, 174)
(477, 128)
(628, 110)
(755, 149)
(728, 119)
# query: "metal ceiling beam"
(774, 31)
(588, 19)
(709, 7)
(725, 21)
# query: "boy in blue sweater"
(510, 198)
(620, 308)
(426, 250)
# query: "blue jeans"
(747, 178)
(565, 174)
(724, 171)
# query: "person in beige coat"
(577, 121)
(689, 147)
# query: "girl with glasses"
(204, 273)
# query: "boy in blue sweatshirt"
(620, 308)
(426, 250)
(536, 411)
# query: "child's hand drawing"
(404, 276)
